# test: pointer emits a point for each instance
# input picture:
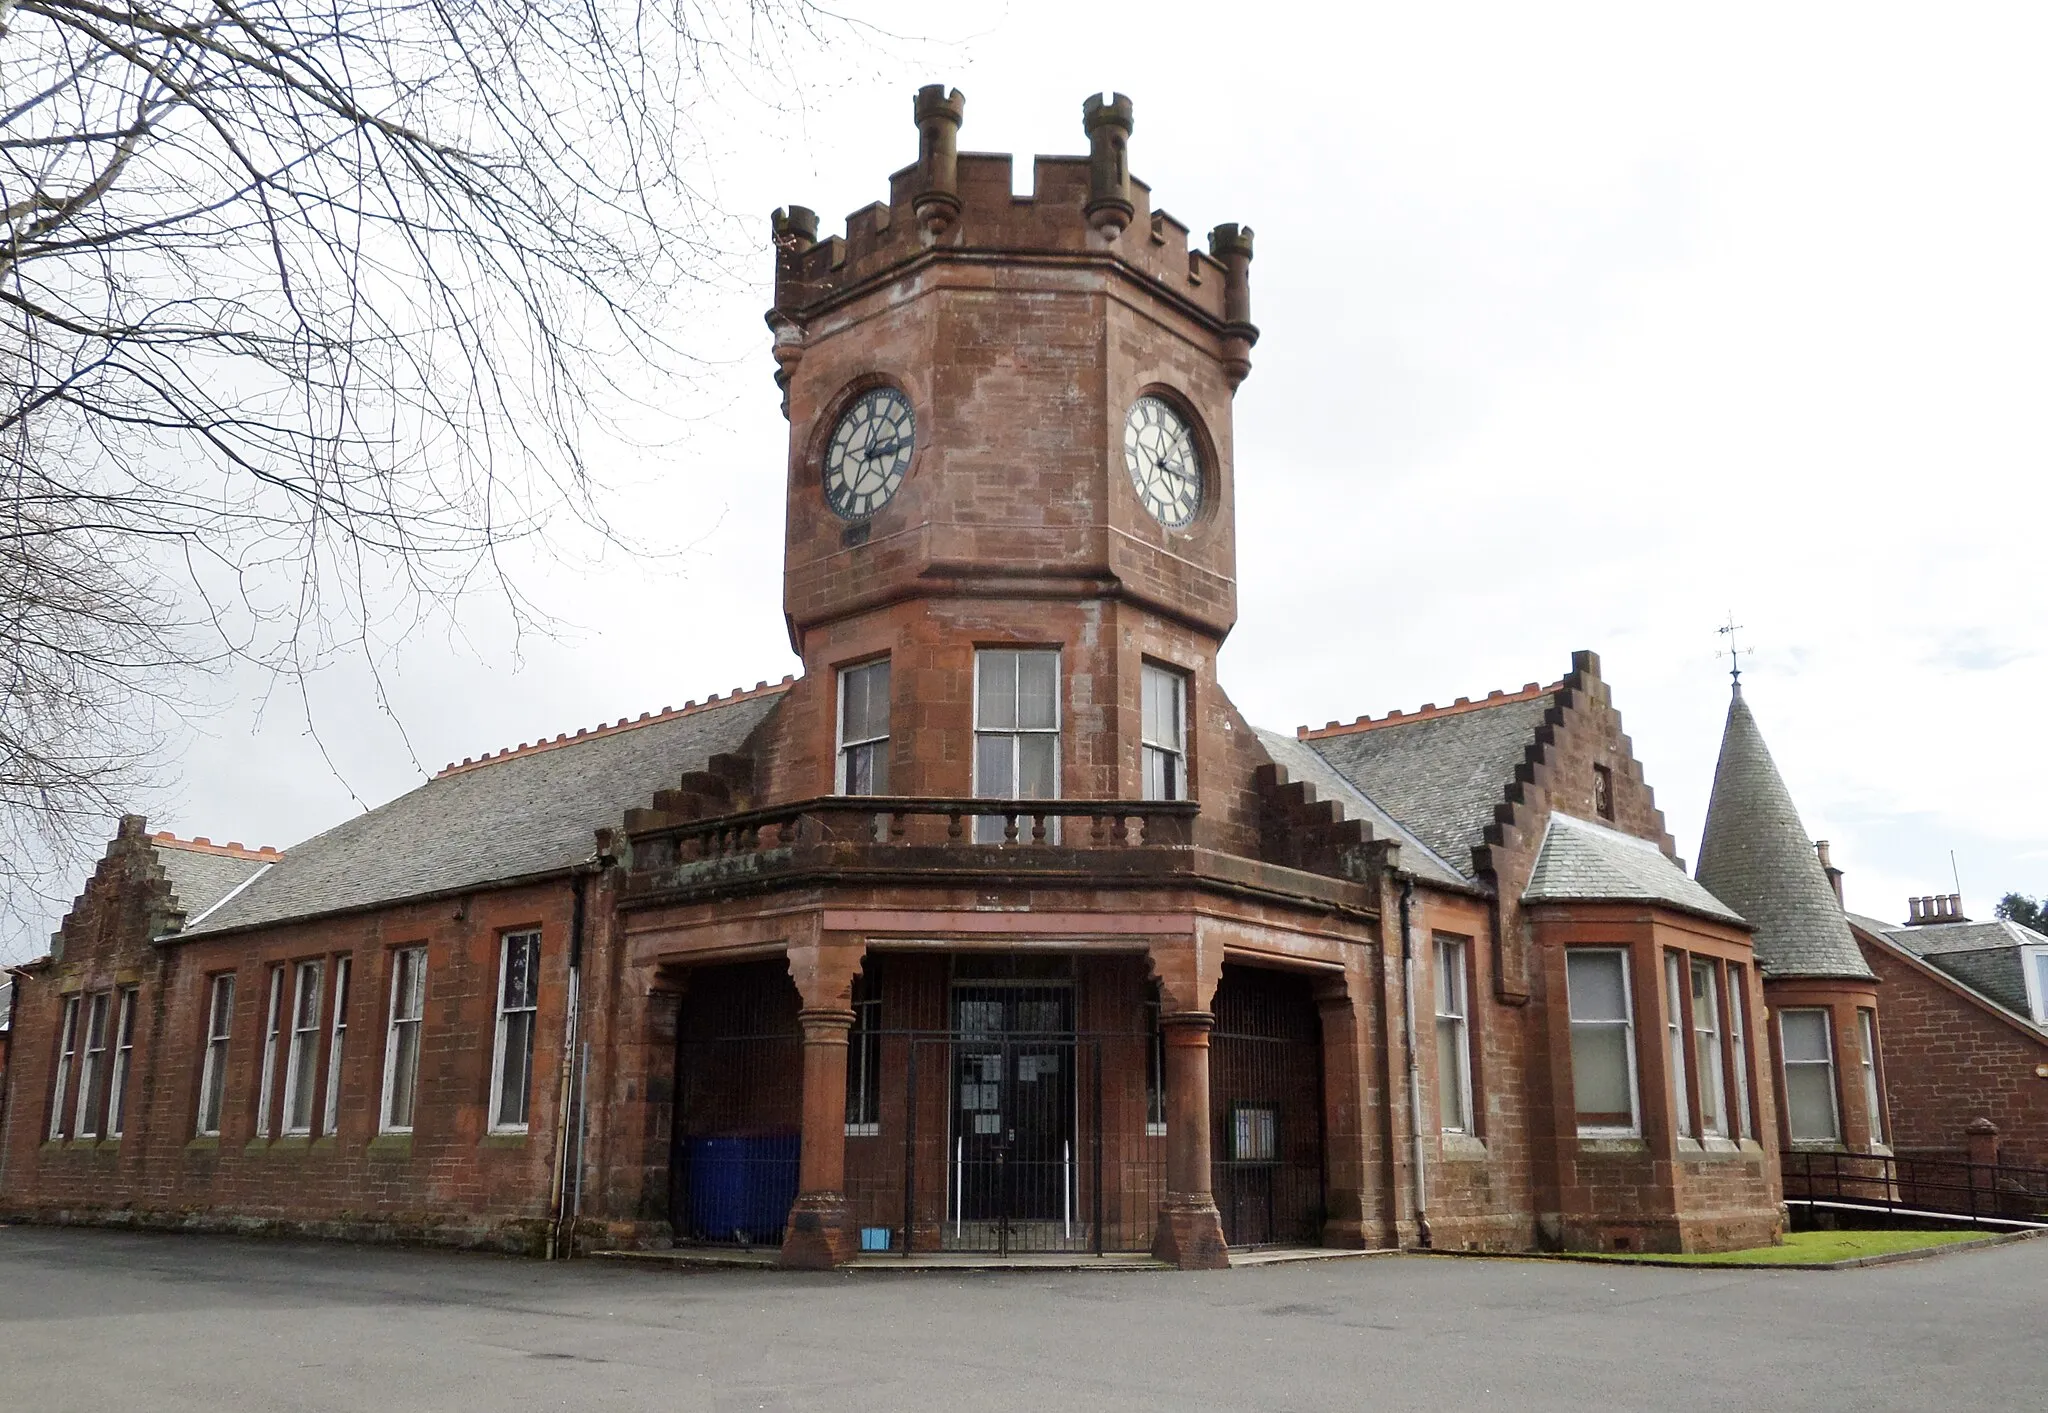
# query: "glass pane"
(1162, 709)
(992, 763)
(1037, 773)
(1706, 1003)
(223, 1005)
(996, 691)
(404, 1070)
(867, 769)
(1450, 1074)
(865, 693)
(516, 1071)
(306, 1011)
(1038, 685)
(1158, 782)
(1595, 982)
(1600, 1073)
(1450, 978)
(515, 973)
(300, 1113)
(1805, 1034)
(1810, 1103)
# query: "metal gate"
(1266, 1092)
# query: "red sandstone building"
(999, 928)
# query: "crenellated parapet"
(953, 205)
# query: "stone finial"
(1107, 122)
(937, 202)
(1230, 245)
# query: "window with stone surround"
(1707, 1046)
(1453, 1035)
(124, 1056)
(1163, 732)
(402, 1039)
(1674, 1034)
(1603, 1041)
(67, 1054)
(864, 729)
(1811, 1110)
(1873, 1091)
(1738, 1047)
(213, 1074)
(91, 1064)
(518, 1009)
(302, 1062)
(1016, 730)
(273, 1020)
(337, 1033)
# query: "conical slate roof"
(1756, 857)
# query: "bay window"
(1603, 1041)
(1811, 1111)
(1706, 1037)
(1674, 1034)
(1873, 1092)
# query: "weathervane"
(1728, 630)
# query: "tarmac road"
(115, 1320)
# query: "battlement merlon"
(958, 205)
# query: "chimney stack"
(1933, 908)
(1827, 866)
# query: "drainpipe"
(1415, 1161)
(558, 1227)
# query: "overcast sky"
(1580, 328)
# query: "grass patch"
(1811, 1248)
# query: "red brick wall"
(1949, 1060)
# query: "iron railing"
(1913, 1185)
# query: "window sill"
(1463, 1148)
(204, 1143)
(873, 1130)
(502, 1138)
(391, 1145)
(1612, 1143)
(1711, 1149)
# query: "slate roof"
(1302, 763)
(1440, 775)
(525, 814)
(1581, 861)
(1984, 956)
(1757, 857)
(201, 877)
(6, 1002)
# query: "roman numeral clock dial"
(1164, 461)
(869, 453)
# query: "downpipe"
(1415, 1159)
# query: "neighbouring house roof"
(1439, 771)
(1302, 763)
(1581, 861)
(1964, 978)
(202, 873)
(1757, 857)
(517, 814)
(1984, 956)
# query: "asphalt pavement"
(99, 1320)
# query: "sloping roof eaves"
(1440, 776)
(1302, 763)
(517, 818)
(1884, 935)
(1581, 861)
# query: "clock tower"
(1010, 471)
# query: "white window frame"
(1174, 752)
(302, 1049)
(1834, 1096)
(391, 1036)
(86, 1124)
(1873, 1090)
(1634, 1128)
(2034, 968)
(337, 1032)
(213, 1069)
(1678, 1039)
(124, 1054)
(847, 745)
(67, 1055)
(1737, 977)
(990, 829)
(1451, 959)
(1709, 1047)
(531, 1010)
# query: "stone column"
(1190, 1233)
(1344, 1143)
(818, 1234)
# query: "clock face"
(1164, 461)
(869, 452)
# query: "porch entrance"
(1013, 1106)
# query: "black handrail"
(1911, 1184)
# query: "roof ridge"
(204, 845)
(592, 733)
(1529, 691)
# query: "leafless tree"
(305, 309)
